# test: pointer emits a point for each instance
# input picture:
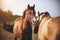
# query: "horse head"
(29, 13)
(42, 15)
(39, 19)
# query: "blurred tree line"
(7, 16)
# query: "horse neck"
(46, 18)
(24, 23)
(25, 19)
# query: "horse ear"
(28, 5)
(38, 13)
(34, 6)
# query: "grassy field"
(4, 35)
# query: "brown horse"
(49, 28)
(22, 27)
(8, 27)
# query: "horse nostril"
(33, 21)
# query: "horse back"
(49, 29)
(53, 29)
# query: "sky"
(18, 6)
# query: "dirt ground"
(5, 35)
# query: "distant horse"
(22, 27)
(49, 28)
(8, 27)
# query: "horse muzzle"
(34, 21)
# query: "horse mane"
(23, 14)
(47, 14)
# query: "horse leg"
(15, 37)
(21, 37)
